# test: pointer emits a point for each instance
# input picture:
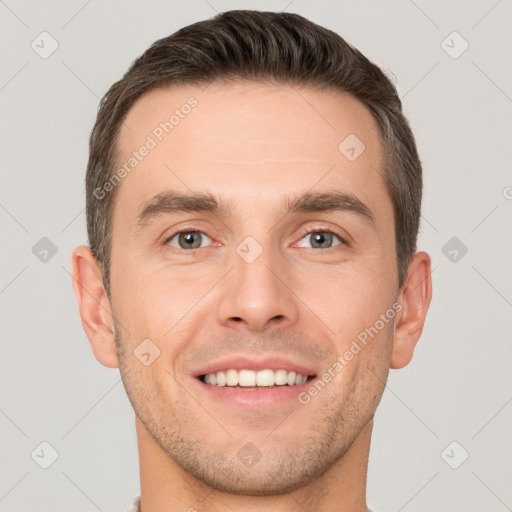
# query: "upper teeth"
(254, 378)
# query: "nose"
(258, 295)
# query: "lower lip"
(255, 398)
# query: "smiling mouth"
(251, 379)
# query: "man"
(253, 203)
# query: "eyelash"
(342, 239)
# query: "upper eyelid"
(308, 231)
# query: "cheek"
(364, 364)
(158, 302)
(357, 308)
(347, 299)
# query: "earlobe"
(415, 299)
(94, 306)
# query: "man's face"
(257, 285)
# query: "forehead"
(248, 141)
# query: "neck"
(167, 487)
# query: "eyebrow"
(171, 201)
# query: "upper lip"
(251, 362)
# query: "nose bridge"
(256, 294)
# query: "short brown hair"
(274, 47)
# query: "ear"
(414, 297)
(94, 306)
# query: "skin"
(253, 145)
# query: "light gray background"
(458, 386)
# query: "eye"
(322, 239)
(188, 239)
